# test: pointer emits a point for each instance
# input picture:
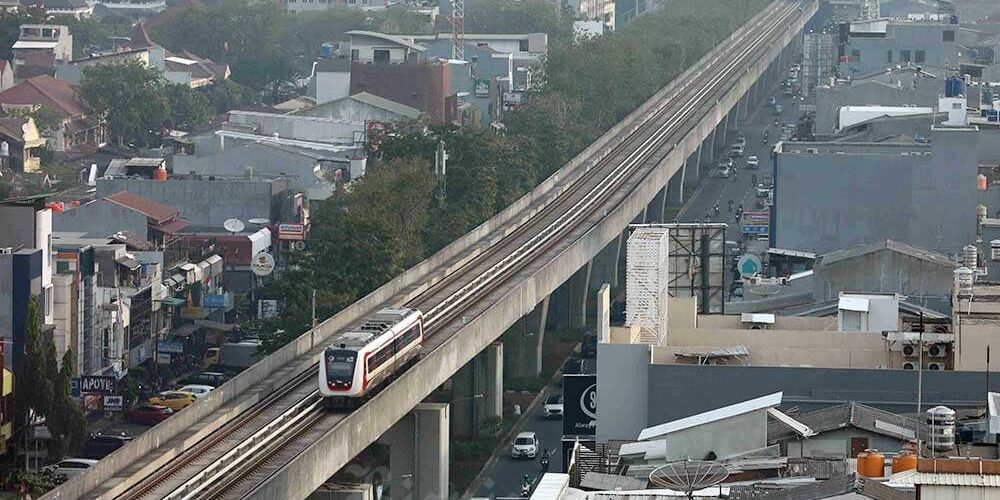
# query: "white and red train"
(359, 361)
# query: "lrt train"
(358, 362)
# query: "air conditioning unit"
(910, 350)
(937, 350)
(935, 366)
(909, 365)
(6, 250)
(812, 150)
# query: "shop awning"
(128, 263)
(173, 301)
(186, 330)
(214, 325)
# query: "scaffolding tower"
(646, 279)
(458, 30)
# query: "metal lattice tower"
(646, 278)
(458, 30)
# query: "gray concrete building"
(906, 86)
(872, 46)
(917, 194)
(885, 266)
(208, 203)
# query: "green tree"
(10, 23)
(401, 19)
(187, 109)
(47, 121)
(67, 422)
(528, 16)
(308, 31)
(132, 97)
(33, 387)
(224, 96)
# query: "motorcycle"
(715, 209)
(545, 463)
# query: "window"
(62, 267)
(855, 55)
(407, 338)
(380, 357)
(354, 54)
(522, 45)
(948, 35)
(919, 56)
(904, 56)
(888, 58)
(380, 55)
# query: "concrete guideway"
(492, 311)
(489, 317)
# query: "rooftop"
(388, 38)
(158, 212)
(57, 95)
(715, 415)
(891, 245)
(848, 415)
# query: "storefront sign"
(291, 231)
(580, 405)
(91, 384)
(114, 403)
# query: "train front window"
(340, 365)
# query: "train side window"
(380, 357)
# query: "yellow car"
(175, 400)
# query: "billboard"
(579, 405)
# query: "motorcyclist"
(730, 206)
(715, 209)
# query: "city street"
(506, 474)
(504, 480)
(740, 189)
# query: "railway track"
(243, 453)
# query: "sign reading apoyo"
(579, 405)
(91, 384)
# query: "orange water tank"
(871, 463)
(981, 182)
(160, 174)
(906, 460)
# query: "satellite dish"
(299, 245)
(260, 221)
(233, 225)
(689, 476)
(262, 264)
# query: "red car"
(149, 414)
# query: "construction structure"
(646, 278)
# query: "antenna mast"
(458, 30)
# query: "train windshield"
(340, 364)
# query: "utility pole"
(440, 168)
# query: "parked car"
(726, 162)
(148, 414)
(198, 390)
(70, 467)
(214, 379)
(736, 150)
(175, 400)
(101, 445)
(753, 163)
(553, 406)
(721, 172)
(525, 445)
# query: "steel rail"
(268, 434)
(580, 209)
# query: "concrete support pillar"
(605, 265)
(654, 212)
(523, 342)
(568, 306)
(711, 144)
(418, 454)
(604, 314)
(725, 130)
(477, 392)
(740, 109)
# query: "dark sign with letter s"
(579, 405)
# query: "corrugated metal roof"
(551, 486)
(850, 415)
(953, 479)
(799, 428)
(711, 416)
(892, 245)
(839, 486)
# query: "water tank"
(981, 182)
(906, 460)
(954, 86)
(987, 96)
(969, 256)
(871, 463)
(941, 421)
(326, 50)
(160, 174)
(981, 212)
(963, 280)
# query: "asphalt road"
(739, 188)
(504, 480)
(505, 476)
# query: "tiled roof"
(156, 211)
(57, 95)
(11, 127)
